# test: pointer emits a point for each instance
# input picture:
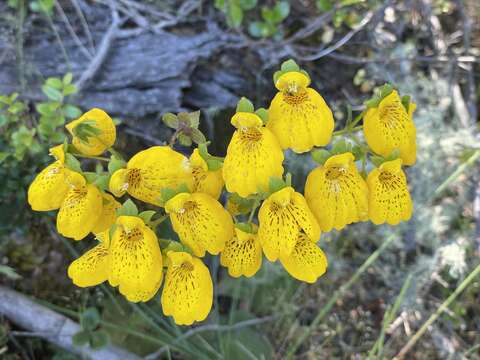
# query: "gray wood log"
(52, 327)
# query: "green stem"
(252, 212)
(101, 158)
(336, 295)
(347, 130)
(444, 306)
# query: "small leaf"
(246, 227)
(320, 156)
(72, 163)
(406, 99)
(54, 83)
(258, 29)
(52, 93)
(170, 120)
(99, 339)
(128, 209)
(214, 164)
(102, 182)
(234, 15)
(280, 11)
(115, 164)
(67, 78)
(147, 215)
(377, 160)
(324, 5)
(245, 105)
(289, 65)
(247, 4)
(184, 140)
(276, 184)
(90, 319)
(81, 338)
(194, 119)
(340, 147)
(395, 154)
(198, 137)
(69, 89)
(71, 111)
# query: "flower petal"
(242, 254)
(307, 262)
(188, 291)
(108, 216)
(91, 268)
(49, 188)
(200, 221)
(204, 180)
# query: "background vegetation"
(140, 59)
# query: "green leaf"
(194, 119)
(54, 83)
(90, 176)
(81, 338)
(395, 154)
(289, 65)
(52, 93)
(280, 11)
(259, 29)
(90, 319)
(340, 147)
(147, 215)
(214, 164)
(197, 136)
(220, 4)
(247, 4)
(171, 120)
(71, 111)
(7, 270)
(246, 227)
(245, 105)
(72, 163)
(358, 152)
(99, 339)
(115, 164)
(263, 114)
(320, 156)
(128, 209)
(67, 78)
(234, 15)
(3, 156)
(276, 184)
(102, 182)
(406, 99)
(45, 109)
(324, 5)
(377, 160)
(69, 89)
(184, 139)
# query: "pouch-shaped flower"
(135, 259)
(281, 217)
(150, 171)
(200, 221)
(253, 156)
(388, 196)
(205, 180)
(298, 115)
(242, 254)
(307, 262)
(336, 193)
(390, 126)
(93, 132)
(81, 208)
(50, 187)
(91, 268)
(188, 290)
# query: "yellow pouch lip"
(130, 222)
(393, 166)
(176, 203)
(177, 258)
(292, 77)
(282, 196)
(246, 120)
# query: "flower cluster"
(188, 193)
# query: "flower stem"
(252, 212)
(347, 130)
(101, 158)
(413, 340)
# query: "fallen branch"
(57, 329)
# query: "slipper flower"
(307, 262)
(242, 254)
(200, 221)
(91, 268)
(188, 291)
(298, 115)
(388, 197)
(93, 132)
(336, 193)
(81, 208)
(205, 180)
(281, 217)
(109, 214)
(49, 187)
(389, 126)
(135, 259)
(253, 156)
(150, 171)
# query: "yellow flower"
(150, 171)
(108, 215)
(204, 180)
(282, 216)
(188, 291)
(93, 132)
(253, 156)
(242, 254)
(91, 268)
(298, 115)
(307, 262)
(200, 221)
(49, 187)
(81, 208)
(336, 193)
(135, 259)
(389, 126)
(388, 198)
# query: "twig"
(84, 23)
(211, 327)
(442, 308)
(102, 52)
